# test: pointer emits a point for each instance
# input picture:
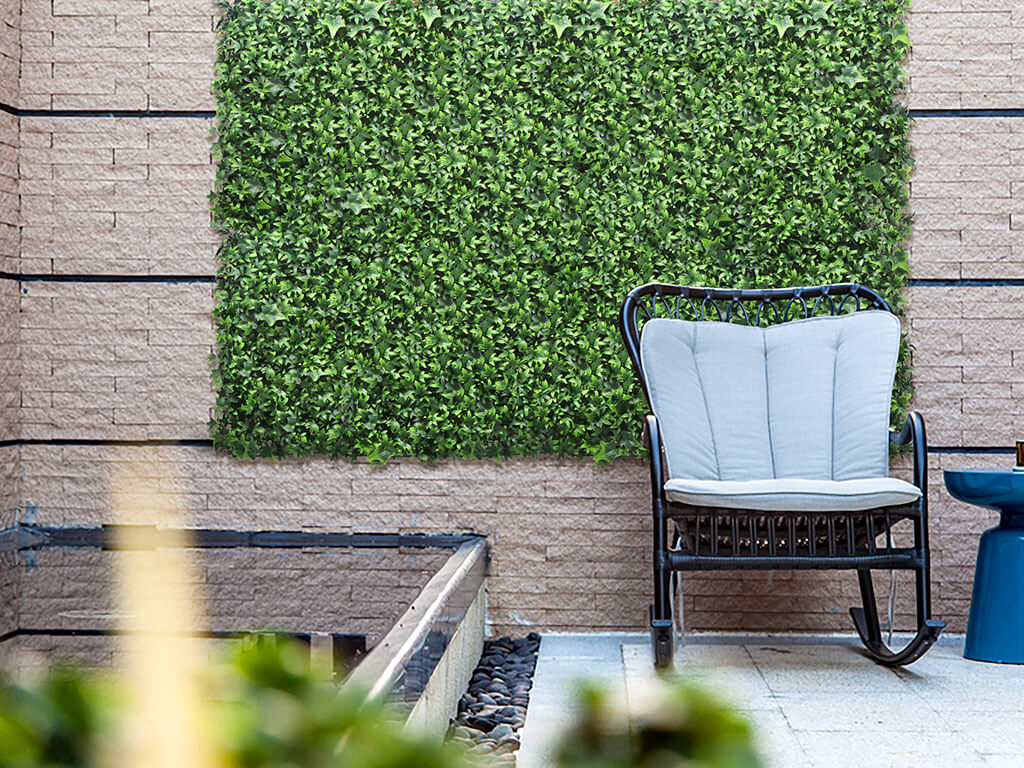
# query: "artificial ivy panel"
(431, 212)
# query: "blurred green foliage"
(61, 718)
(432, 210)
(276, 713)
(672, 726)
(269, 711)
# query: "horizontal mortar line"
(976, 282)
(201, 443)
(205, 634)
(51, 278)
(34, 536)
(208, 114)
(58, 441)
(999, 449)
(926, 282)
(1006, 112)
(203, 114)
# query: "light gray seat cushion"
(807, 399)
(794, 494)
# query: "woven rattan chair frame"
(691, 538)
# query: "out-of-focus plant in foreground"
(58, 718)
(268, 711)
(277, 713)
(672, 725)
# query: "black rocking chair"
(768, 442)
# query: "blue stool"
(995, 626)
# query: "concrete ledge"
(426, 660)
(439, 702)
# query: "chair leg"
(865, 619)
(868, 615)
(662, 641)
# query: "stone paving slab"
(562, 662)
(814, 702)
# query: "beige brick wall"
(557, 527)
(570, 540)
(967, 197)
(10, 464)
(8, 192)
(359, 592)
(967, 54)
(10, 574)
(10, 297)
(117, 54)
(10, 360)
(291, 590)
(116, 361)
(969, 363)
(10, 485)
(116, 196)
(10, 50)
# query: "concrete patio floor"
(815, 702)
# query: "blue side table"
(995, 626)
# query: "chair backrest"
(751, 385)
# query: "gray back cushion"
(808, 398)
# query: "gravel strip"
(493, 710)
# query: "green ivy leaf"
(430, 15)
(875, 172)
(356, 202)
(370, 10)
(781, 24)
(851, 76)
(333, 25)
(270, 314)
(819, 11)
(560, 24)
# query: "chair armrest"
(913, 433)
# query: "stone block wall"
(110, 331)
(10, 352)
(358, 591)
(116, 195)
(117, 54)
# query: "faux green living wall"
(432, 211)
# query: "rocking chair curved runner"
(769, 441)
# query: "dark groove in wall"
(997, 449)
(114, 537)
(201, 443)
(981, 282)
(203, 114)
(46, 278)
(60, 441)
(207, 114)
(917, 113)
